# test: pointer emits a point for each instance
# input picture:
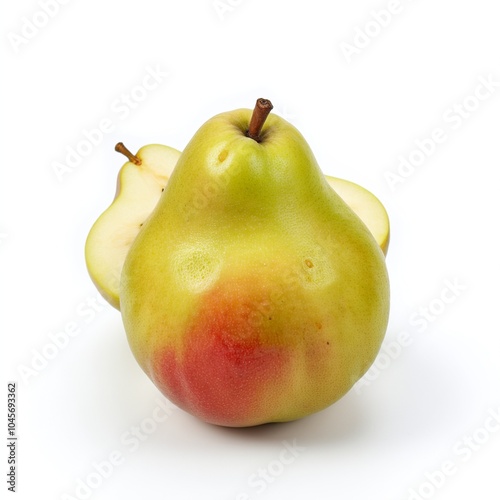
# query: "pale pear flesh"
(139, 188)
(367, 207)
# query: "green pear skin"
(253, 293)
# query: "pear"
(140, 183)
(253, 293)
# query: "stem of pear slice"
(121, 148)
(261, 111)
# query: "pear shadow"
(339, 422)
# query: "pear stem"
(261, 111)
(121, 148)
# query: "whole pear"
(253, 293)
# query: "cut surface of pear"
(138, 190)
(366, 206)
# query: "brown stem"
(262, 109)
(121, 148)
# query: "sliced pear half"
(367, 207)
(140, 183)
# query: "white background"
(427, 407)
